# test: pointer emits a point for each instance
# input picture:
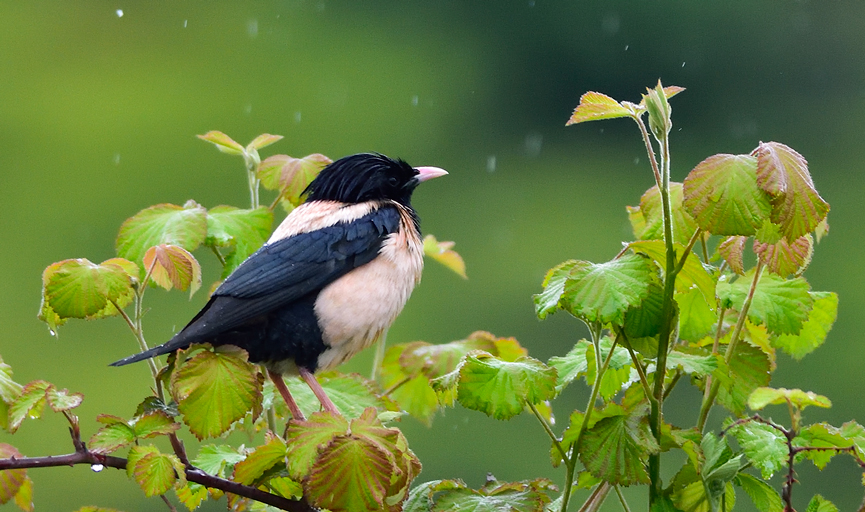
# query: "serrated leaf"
(732, 250)
(263, 140)
(291, 175)
(651, 207)
(763, 396)
(764, 497)
(443, 253)
(222, 142)
(79, 288)
(597, 292)
(821, 435)
(571, 366)
(184, 226)
(722, 195)
(499, 388)
(820, 504)
(350, 474)
(9, 389)
(765, 446)
(306, 438)
(61, 399)
(437, 360)
(692, 275)
(155, 472)
(29, 404)
(821, 317)
(350, 393)
(785, 258)
(11, 480)
(191, 495)
(645, 320)
(111, 437)
(214, 459)
(595, 106)
(696, 318)
(693, 498)
(796, 205)
(215, 389)
(260, 460)
(152, 424)
(616, 447)
(24, 497)
(698, 364)
(245, 231)
(171, 266)
(749, 369)
(782, 305)
(413, 394)
(501, 497)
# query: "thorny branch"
(84, 456)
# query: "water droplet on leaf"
(97, 468)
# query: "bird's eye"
(392, 181)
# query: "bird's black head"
(367, 177)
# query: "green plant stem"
(687, 251)
(649, 150)
(219, 255)
(252, 177)
(715, 347)
(380, 346)
(622, 500)
(667, 319)
(709, 399)
(548, 429)
(571, 461)
(644, 382)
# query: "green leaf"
(645, 320)
(152, 424)
(749, 369)
(764, 497)
(524, 496)
(696, 318)
(215, 389)
(722, 195)
(782, 305)
(822, 435)
(171, 266)
(820, 504)
(215, 459)
(696, 363)
(306, 438)
(796, 205)
(500, 388)
(784, 257)
(222, 142)
(245, 231)
(261, 459)
(765, 446)
(61, 399)
(81, 289)
(24, 497)
(437, 360)
(11, 480)
(9, 389)
(693, 498)
(263, 140)
(351, 394)
(618, 372)
(732, 249)
(597, 292)
(651, 208)
(571, 366)
(29, 404)
(660, 111)
(155, 472)
(821, 317)
(763, 396)
(443, 253)
(184, 226)
(351, 474)
(693, 274)
(291, 175)
(191, 495)
(413, 394)
(421, 497)
(111, 438)
(615, 449)
(595, 106)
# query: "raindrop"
(491, 163)
(247, 109)
(611, 24)
(52, 332)
(97, 468)
(414, 100)
(683, 64)
(119, 13)
(252, 28)
(297, 117)
(637, 160)
(531, 3)
(534, 142)
(117, 159)
(626, 47)
(184, 23)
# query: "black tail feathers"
(165, 348)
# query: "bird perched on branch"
(331, 279)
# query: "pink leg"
(316, 388)
(289, 400)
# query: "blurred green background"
(100, 103)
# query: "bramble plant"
(677, 304)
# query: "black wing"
(282, 272)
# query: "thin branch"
(691, 242)
(622, 499)
(168, 503)
(548, 429)
(398, 385)
(219, 255)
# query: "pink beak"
(428, 173)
